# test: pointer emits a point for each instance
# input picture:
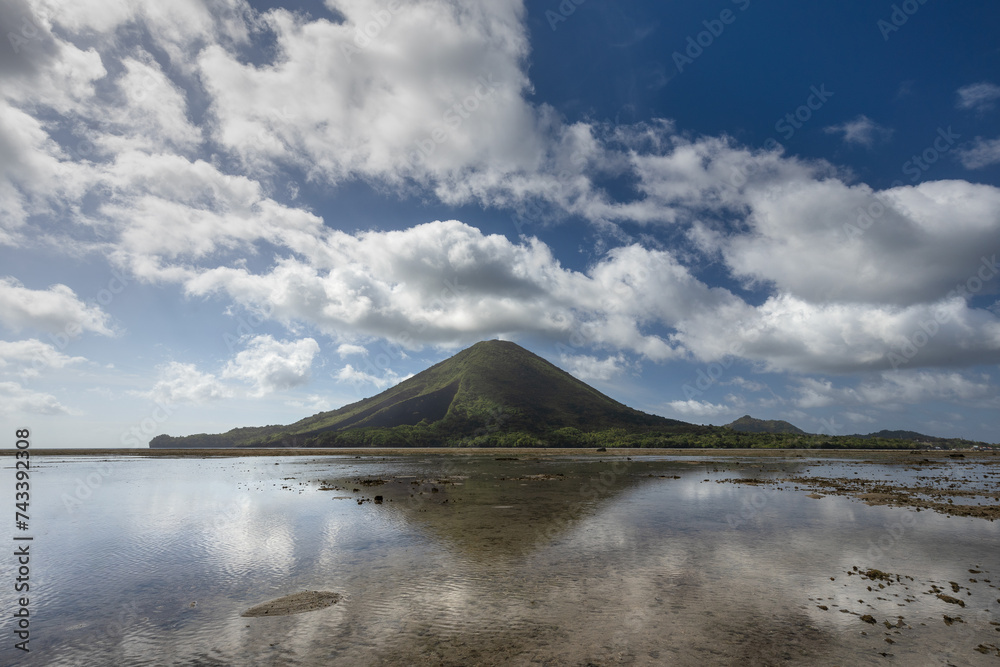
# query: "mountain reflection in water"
(565, 559)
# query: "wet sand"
(296, 603)
(941, 484)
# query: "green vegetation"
(921, 439)
(497, 394)
(748, 424)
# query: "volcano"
(495, 393)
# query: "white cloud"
(358, 377)
(896, 388)
(184, 383)
(982, 153)
(801, 228)
(447, 283)
(859, 418)
(357, 112)
(153, 117)
(589, 368)
(16, 400)
(173, 208)
(848, 273)
(313, 402)
(270, 365)
(979, 97)
(55, 310)
(698, 409)
(267, 365)
(33, 173)
(788, 334)
(862, 131)
(347, 349)
(825, 241)
(747, 385)
(178, 28)
(60, 75)
(32, 356)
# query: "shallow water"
(559, 560)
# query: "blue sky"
(216, 213)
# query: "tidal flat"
(495, 557)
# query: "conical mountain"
(495, 391)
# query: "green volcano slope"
(494, 393)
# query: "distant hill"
(913, 436)
(747, 424)
(493, 393)
(901, 435)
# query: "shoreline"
(879, 454)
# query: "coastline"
(873, 454)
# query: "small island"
(498, 394)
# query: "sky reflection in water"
(567, 559)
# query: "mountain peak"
(494, 387)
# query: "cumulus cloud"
(825, 241)
(590, 368)
(154, 115)
(862, 131)
(266, 366)
(895, 389)
(698, 409)
(982, 153)
(32, 356)
(447, 283)
(790, 334)
(34, 176)
(17, 400)
(184, 383)
(55, 310)
(271, 365)
(358, 377)
(979, 97)
(848, 273)
(859, 418)
(178, 28)
(347, 349)
(746, 385)
(444, 105)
